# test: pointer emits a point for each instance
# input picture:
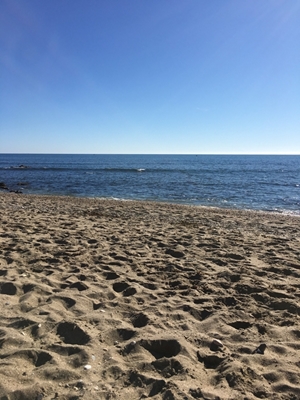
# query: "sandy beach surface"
(104, 299)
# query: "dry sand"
(138, 291)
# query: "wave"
(71, 169)
(221, 171)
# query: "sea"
(253, 182)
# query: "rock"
(16, 191)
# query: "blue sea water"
(269, 183)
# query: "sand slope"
(138, 291)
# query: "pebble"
(87, 367)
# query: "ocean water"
(269, 183)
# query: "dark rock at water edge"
(3, 186)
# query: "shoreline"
(115, 299)
(286, 213)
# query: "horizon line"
(157, 154)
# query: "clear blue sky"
(150, 76)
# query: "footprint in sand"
(162, 348)
(124, 288)
(140, 320)
(71, 333)
(8, 288)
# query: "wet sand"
(104, 299)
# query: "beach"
(106, 299)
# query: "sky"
(150, 76)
